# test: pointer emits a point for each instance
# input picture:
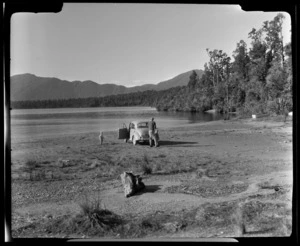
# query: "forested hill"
(145, 98)
(29, 87)
(257, 81)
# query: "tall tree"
(194, 80)
(260, 59)
(240, 74)
(219, 68)
(274, 38)
(241, 61)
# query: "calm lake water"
(39, 123)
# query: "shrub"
(98, 216)
(146, 168)
(244, 112)
(141, 227)
(158, 167)
(31, 164)
(37, 175)
(93, 221)
(272, 107)
(258, 108)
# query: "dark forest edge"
(258, 81)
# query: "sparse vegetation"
(34, 171)
(94, 220)
(31, 164)
(241, 218)
(98, 216)
(179, 167)
(160, 156)
(37, 175)
(158, 167)
(146, 168)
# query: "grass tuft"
(31, 164)
(158, 167)
(146, 168)
(98, 216)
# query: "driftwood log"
(131, 183)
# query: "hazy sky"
(127, 44)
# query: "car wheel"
(133, 140)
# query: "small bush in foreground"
(98, 216)
(31, 164)
(94, 220)
(146, 168)
(37, 175)
(158, 167)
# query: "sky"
(128, 44)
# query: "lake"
(39, 123)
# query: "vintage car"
(137, 131)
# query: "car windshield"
(142, 125)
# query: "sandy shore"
(207, 172)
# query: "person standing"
(152, 135)
(101, 137)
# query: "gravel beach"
(226, 178)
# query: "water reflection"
(130, 113)
(194, 117)
(37, 123)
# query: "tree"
(279, 82)
(240, 74)
(287, 92)
(219, 67)
(241, 62)
(194, 79)
(274, 38)
(288, 67)
(258, 69)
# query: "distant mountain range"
(26, 87)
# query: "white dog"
(101, 138)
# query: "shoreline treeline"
(257, 81)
